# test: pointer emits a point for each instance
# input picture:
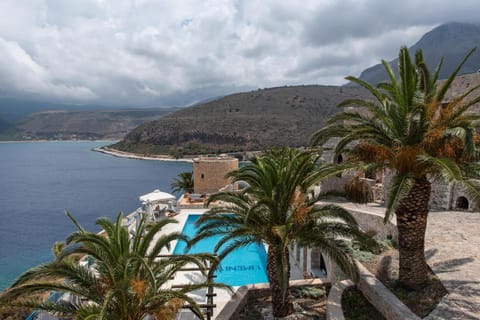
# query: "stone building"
(314, 263)
(444, 195)
(209, 173)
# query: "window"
(339, 159)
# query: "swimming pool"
(245, 265)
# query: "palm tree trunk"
(412, 214)
(281, 303)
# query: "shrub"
(358, 191)
(310, 292)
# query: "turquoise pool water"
(245, 265)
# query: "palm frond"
(399, 187)
(446, 85)
(445, 168)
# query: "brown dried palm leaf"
(170, 309)
(367, 152)
(139, 287)
(406, 158)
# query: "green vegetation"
(126, 279)
(412, 128)
(356, 306)
(364, 253)
(278, 208)
(183, 182)
(310, 292)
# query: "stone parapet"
(382, 298)
(334, 303)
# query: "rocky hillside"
(61, 124)
(245, 121)
(4, 125)
(255, 120)
(450, 41)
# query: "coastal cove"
(40, 180)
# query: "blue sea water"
(246, 265)
(40, 180)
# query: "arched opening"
(339, 159)
(318, 266)
(462, 203)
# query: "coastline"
(47, 140)
(122, 154)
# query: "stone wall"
(370, 221)
(209, 173)
(444, 195)
(334, 184)
(458, 192)
(251, 293)
(450, 196)
(338, 182)
(440, 196)
(382, 298)
(375, 292)
(334, 303)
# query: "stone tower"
(209, 173)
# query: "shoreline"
(122, 154)
(47, 140)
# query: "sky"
(174, 53)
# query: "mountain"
(84, 124)
(450, 41)
(14, 109)
(284, 116)
(4, 125)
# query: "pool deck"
(452, 249)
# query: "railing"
(208, 307)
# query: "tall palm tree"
(410, 128)
(183, 182)
(127, 280)
(277, 208)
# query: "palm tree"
(127, 280)
(410, 129)
(277, 208)
(183, 182)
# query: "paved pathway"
(452, 248)
(453, 252)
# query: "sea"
(40, 181)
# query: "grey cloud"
(173, 52)
(342, 20)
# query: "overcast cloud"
(142, 52)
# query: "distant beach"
(122, 154)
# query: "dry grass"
(259, 304)
(11, 313)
